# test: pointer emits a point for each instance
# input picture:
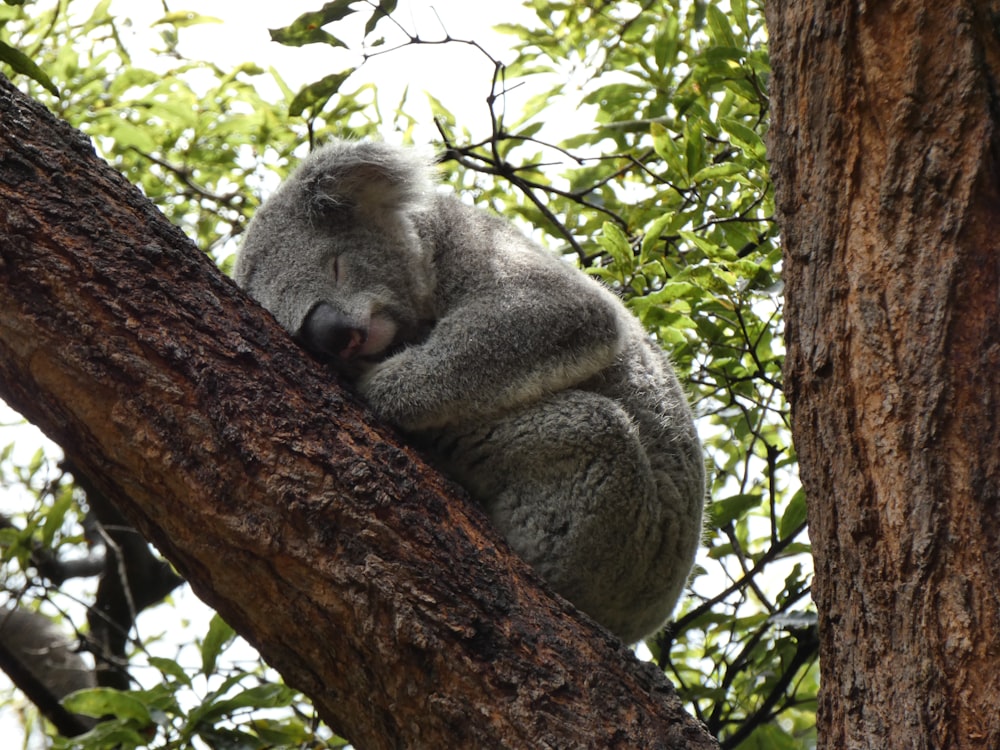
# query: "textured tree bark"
(357, 572)
(885, 151)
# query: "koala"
(522, 378)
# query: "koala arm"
(539, 329)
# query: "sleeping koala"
(524, 379)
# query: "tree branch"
(359, 573)
(34, 689)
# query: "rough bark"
(356, 571)
(885, 153)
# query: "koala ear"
(366, 179)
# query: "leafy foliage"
(129, 719)
(648, 169)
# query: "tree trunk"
(885, 152)
(356, 571)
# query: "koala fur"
(523, 378)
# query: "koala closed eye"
(523, 378)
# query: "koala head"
(335, 256)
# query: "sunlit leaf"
(308, 27)
(316, 94)
(99, 702)
(383, 9)
(794, 515)
(218, 637)
(182, 18)
(746, 137)
(21, 63)
(171, 668)
(727, 510)
(616, 243)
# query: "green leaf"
(732, 508)
(695, 154)
(128, 135)
(170, 668)
(745, 137)
(739, 15)
(218, 637)
(667, 43)
(214, 707)
(724, 60)
(769, 737)
(108, 735)
(308, 28)
(709, 248)
(670, 291)
(36, 462)
(289, 733)
(666, 148)
(615, 243)
(438, 110)
(716, 171)
(652, 236)
(132, 77)
(55, 516)
(23, 64)
(384, 8)
(98, 702)
(719, 28)
(100, 16)
(794, 515)
(318, 93)
(182, 18)
(271, 695)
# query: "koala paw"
(390, 393)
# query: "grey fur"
(524, 379)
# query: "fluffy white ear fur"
(370, 179)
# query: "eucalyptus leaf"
(21, 63)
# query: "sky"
(467, 72)
(243, 36)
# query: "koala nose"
(327, 332)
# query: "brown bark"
(358, 572)
(885, 152)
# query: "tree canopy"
(658, 185)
